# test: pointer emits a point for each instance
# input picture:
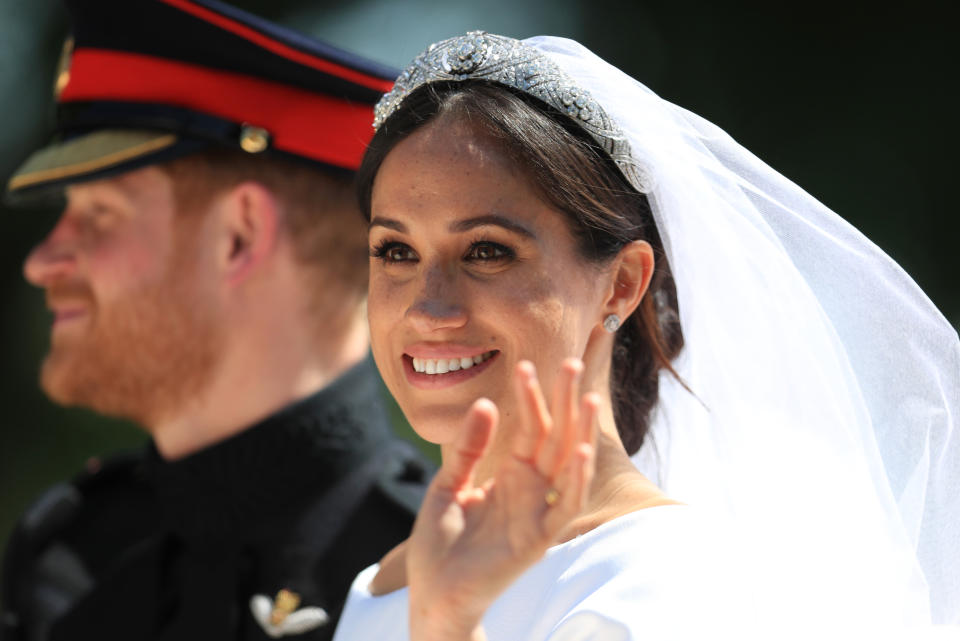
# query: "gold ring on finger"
(551, 496)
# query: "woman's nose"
(53, 258)
(439, 303)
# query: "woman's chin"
(437, 425)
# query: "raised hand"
(470, 542)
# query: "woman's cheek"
(384, 310)
(548, 315)
(538, 314)
(383, 299)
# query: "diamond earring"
(611, 323)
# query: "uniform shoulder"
(98, 486)
(69, 534)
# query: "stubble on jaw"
(143, 357)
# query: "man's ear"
(632, 271)
(249, 217)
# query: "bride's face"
(470, 272)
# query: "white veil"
(823, 427)
(825, 422)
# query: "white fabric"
(659, 573)
(823, 429)
(827, 384)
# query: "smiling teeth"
(445, 365)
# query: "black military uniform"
(260, 535)
(146, 549)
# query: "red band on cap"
(247, 33)
(313, 125)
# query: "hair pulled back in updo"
(603, 210)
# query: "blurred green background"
(855, 103)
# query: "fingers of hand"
(535, 420)
(459, 466)
(573, 484)
(559, 441)
(573, 480)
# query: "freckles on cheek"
(383, 298)
(384, 309)
(547, 317)
(540, 312)
(559, 307)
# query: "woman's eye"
(486, 251)
(393, 252)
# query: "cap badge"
(253, 140)
(280, 616)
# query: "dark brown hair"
(603, 210)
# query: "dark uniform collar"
(273, 467)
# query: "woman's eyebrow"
(389, 223)
(491, 219)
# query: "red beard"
(140, 357)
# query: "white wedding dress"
(665, 572)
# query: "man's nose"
(54, 257)
(439, 303)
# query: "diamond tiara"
(483, 56)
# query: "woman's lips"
(444, 365)
(433, 376)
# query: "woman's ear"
(632, 270)
(249, 219)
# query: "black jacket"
(139, 548)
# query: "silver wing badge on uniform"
(280, 617)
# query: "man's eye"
(102, 216)
(485, 251)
